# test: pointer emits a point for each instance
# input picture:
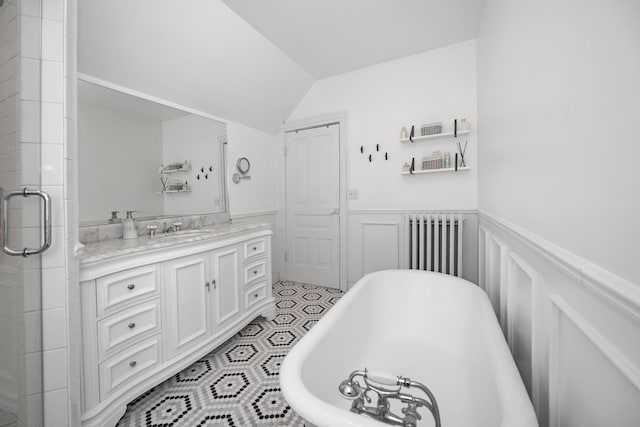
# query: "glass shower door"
(21, 397)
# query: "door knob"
(334, 211)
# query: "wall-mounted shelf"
(175, 167)
(436, 136)
(416, 172)
(175, 187)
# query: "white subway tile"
(53, 9)
(30, 79)
(31, 8)
(34, 410)
(52, 82)
(30, 121)
(32, 290)
(55, 256)
(57, 204)
(69, 179)
(54, 292)
(52, 40)
(30, 212)
(54, 329)
(55, 408)
(55, 369)
(30, 37)
(52, 164)
(33, 331)
(52, 123)
(30, 164)
(33, 362)
(69, 142)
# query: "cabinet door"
(226, 268)
(188, 320)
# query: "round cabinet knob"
(133, 363)
(255, 271)
(130, 286)
(255, 295)
(255, 248)
(131, 325)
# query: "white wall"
(195, 139)
(558, 94)
(199, 54)
(258, 194)
(132, 146)
(438, 85)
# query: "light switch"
(353, 194)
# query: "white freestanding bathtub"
(433, 328)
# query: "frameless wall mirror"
(138, 155)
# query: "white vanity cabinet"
(151, 313)
(187, 306)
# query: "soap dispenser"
(129, 230)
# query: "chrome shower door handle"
(334, 211)
(5, 221)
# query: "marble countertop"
(106, 249)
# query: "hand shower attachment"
(385, 387)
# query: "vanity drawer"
(255, 271)
(126, 327)
(119, 289)
(255, 247)
(255, 295)
(123, 367)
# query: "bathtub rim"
(516, 407)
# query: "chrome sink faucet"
(176, 226)
(152, 230)
(385, 387)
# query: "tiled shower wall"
(12, 307)
(35, 151)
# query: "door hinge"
(286, 256)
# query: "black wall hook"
(362, 149)
(386, 156)
(377, 147)
(369, 157)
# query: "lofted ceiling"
(252, 61)
(196, 53)
(329, 37)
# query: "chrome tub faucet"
(385, 387)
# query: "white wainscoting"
(573, 328)
(377, 241)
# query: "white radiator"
(435, 242)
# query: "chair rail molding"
(568, 323)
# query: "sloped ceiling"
(254, 63)
(329, 37)
(197, 53)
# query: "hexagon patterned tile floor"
(237, 384)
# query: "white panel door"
(313, 202)
(188, 321)
(225, 265)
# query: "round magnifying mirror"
(243, 165)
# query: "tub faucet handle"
(176, 226)
(382, 378)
